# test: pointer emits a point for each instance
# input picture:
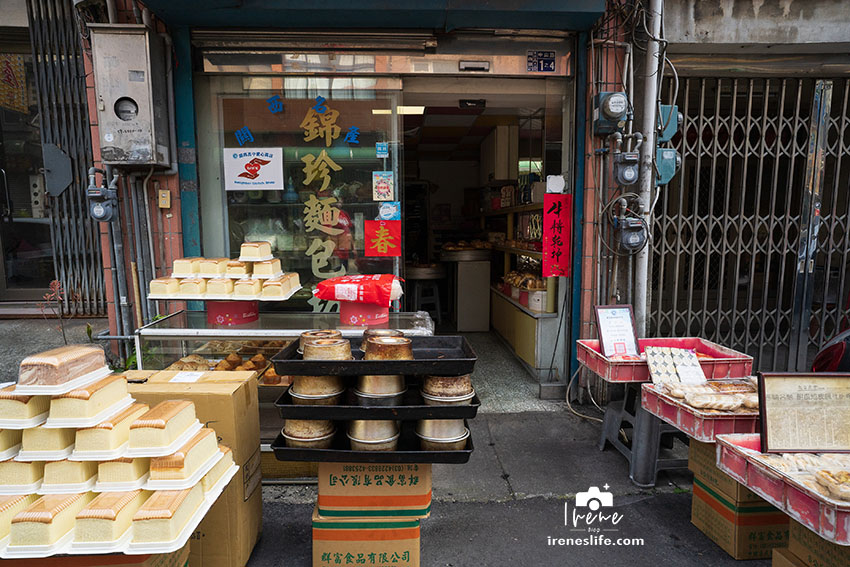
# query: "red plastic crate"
(700, 425)
(830, 520)
(725, 362)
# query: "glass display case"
(163, 342)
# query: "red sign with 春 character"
(557, 228)
(383, 238)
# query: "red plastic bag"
(376, 289)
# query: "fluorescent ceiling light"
(400, 110)
(381, 111)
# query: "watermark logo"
(592, 521)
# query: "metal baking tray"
(340, 452)
(443, 355)
(411, 408)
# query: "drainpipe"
(111, 12)
(647, 170)
(122, 300)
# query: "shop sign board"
(252, 169)
(615, 325)
(557, 228)
(540, 61)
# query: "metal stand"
(643, 453)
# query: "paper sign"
(389, 210)
(383, 238)
(557, 228)
(253, 169)
(382, 186)
(187, 377)
(616, 329)
(382, 150)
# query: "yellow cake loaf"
(266, 268)
(109, 516)
(193, 286)
(181, 464)
(48, 519)
(235, 268)
(60, 365)
(20, 473)
(187, 265)
(111, 433)
(220, 286)
(215, 473)
(43, 439)
(276, 288)
(255, 250)
(164, 515)
(10, 506)
(9, 438)
(213, 267)
(162, 425)
(294, 280)
(19, 406)
(69, 472)
(164, 286)
(90, 400)
(247, 287)
(123, 469)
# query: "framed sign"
(615, 325)
(805, 413)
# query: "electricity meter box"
(130, 89)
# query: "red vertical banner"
(383, 238)
(557, 228)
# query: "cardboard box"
(702, 461)
(392, 542)
(232, 409)
(784, 558)
(815, 551)
(176, 559)
(745, 530)
(186, 377)
(371, 490)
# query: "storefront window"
(304, 163)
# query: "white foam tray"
(284, 298)
(275, 275)
(163, 451)
(45, 455)
(5, 385)
(14, 489)
(24, 423)
(105, 455)
(239, 276)
(67, 488)
(182, 276)
(185, 483)
(84, 422)
(10, 453)
(261, 259)
(100, 547)
(36, 551)
(64, 388)
(120, 486)
(219, 297)
(173, 297)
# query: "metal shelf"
(519, 252)
(521, 307)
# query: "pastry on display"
(165, 286)
(447, 386)
(183, 463)
(192, 362)
(162, 425)
(276, 288)
(69, 472)
(60, 365)
(220, 286)
(19, 406)
(307, 428)
(836, 481)
(164, 515)
(247, 287)
(47, 439)
(89, 400)
(731, 387)
(213, 267)
(236, 268)
(111, 433)
(388, 348)
(123, 469)
(108, 516)
(48, 519)
(294, 280)
(327, 349)
(713, 401)
(267, 268)
(369, 333)
(222, 466)
(750, 401)
(271, 377)
(679, 390)
(193, 286)
(257, 250)
(187, 265)
(810, 481)
(9, 438)
(310, 336)
(9, 508)
(21, 473)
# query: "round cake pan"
(390, 444)
(388, 384)
(388, 348)
(317, 385)
(447, 429)
(464, 400)
(327, 349)
(372, 429)
(457, 444)
(364, 399)
(323, 442)
(447, 386)
(370, 333)
(307, 428)
(320, 400)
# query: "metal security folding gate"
(750, 239)
(63, 119)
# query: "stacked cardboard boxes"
(735, 518)
(370, 513)
(808, 549)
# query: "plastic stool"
(648, 433)
(427, 293)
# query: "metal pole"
(647, 172)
